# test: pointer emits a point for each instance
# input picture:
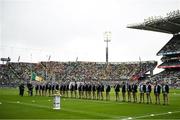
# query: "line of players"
(96, 91)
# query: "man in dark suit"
(157, 91)
(98, 91)
(46, 89)
(80, 90)
(94, 91)
(30, 89)
(83, 90)
(108, 89)
(89, 90)
(53, 87)
(64, 89)
(165, 91)
(49, 89)
(142, 90)
(71, 89)
(117, 90)
(67, 89)
(75, 89)
(148, 93)
(124, 91)
(40, 89)
(102, 91)
(134, 91)
(37, 89)
(21, 89)
(43, 89)
(129, 91)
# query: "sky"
(71, 29)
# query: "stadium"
(97, 90)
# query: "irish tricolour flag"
(35, 77)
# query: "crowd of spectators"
(73, 71)
(173, 46)
(170, 75)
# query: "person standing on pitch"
(142, 90)
(71, 89)
(129, 90)
(30, 89)
(49, 89)
(86, 90)
(89, 90)
(83, 90)
(157, 90)
(102, 91)
(80, 91)
(21, 89)
(117, 90)
(94, 91)
(75, 89)
(46, 89)
(165, 91)
(43, 89)
(40, 89)
(98, 91)
(134, 91)
(124, 91)
(148, 93)
(108, 89)
(37, 88)
(67, 89)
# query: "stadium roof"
(169, 24)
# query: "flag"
(34, 77)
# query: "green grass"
(83, 109)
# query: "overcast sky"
(66, 29)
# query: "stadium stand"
(172, 47)
(75, 71)
(171, 51)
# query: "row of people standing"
(145, 89)
(96, 91)
(22, 89)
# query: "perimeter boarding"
(100, 91)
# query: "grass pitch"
(13, 106)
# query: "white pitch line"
(144, 116)
(34, 105)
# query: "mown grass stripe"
(68, 110)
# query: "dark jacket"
(165, 89)
(134, 88)
(148, 88)
(117, 88)
(157, 89)
(108, 88)
(129, 88)
(123, 88)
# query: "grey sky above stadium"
(67, 29)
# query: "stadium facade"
(171, 51)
